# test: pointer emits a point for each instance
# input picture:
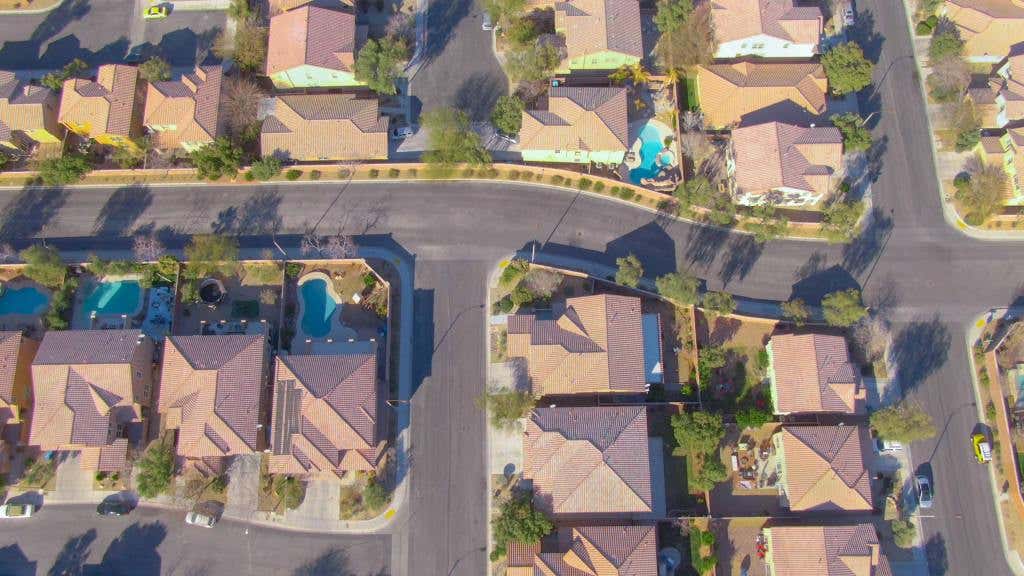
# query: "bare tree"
(949, 79)
(336, 247)
(8, 253)
(148, 248)
(400, 25)
(871, 336)
(693, 121)
(240, 103)
(696, 147)
(542, 282)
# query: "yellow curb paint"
(389, 513)
(503, 263)
(980, 322)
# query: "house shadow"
(442, 19)
(13, 562)
(786, 111)
(25, 54)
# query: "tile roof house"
(108, 109)
(313, 47)
(1007, 151)
(766, 28)
(825, 551)
(1002, 92)
(90, 387)
(580, 125)
(16, 354)
(813, 373)
(599, 34)
(989, 28)
(784, 164)
(753, 92)
(824, 468)
(312, 127)
(28, 113)
(185, 113)
(588, 461)
(599, 344)
(328, 414)
(278, 6)
(210, 390)
(588, 550)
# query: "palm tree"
(634, 74)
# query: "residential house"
(1009, 99)
(824, 551)
(989, 28)
(108, 109)
(324, 127)
(823, 468)
(580, 126)
(783, 164)
(328, 414)
(588, 461)
(590, 550)
(210, 392)
(600, 35)
(812, 373)
(1006, 150)
(596, 344)
(754, 92)
(314, 47)
(91, 390)
(16, 354)
(990, 102)
(185, 113)
(278, 6)
(28, 114)
(767, 28)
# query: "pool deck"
(634, 133)
(337, 332)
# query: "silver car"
(200, 519)
(923, 485)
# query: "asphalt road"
(71, 539)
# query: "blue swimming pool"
(118, 297)
(28, 300)
(317, 308)
(651, 158)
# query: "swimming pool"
(651, 158)
(117, 297)
(28, 300)
(317, 308)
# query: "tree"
(377, 63)
(133, 156)
(679, 287)
(67, 169)
(945, 42)
(155, 469)
(965, 121)
(506, 407)
(839, 220)
(630, 271)
(766, 224)
(155, 69)
(843, 308)
(265, 168)
(856, 136)
(55, 80)
(240, 10)
(692, 42)
(847, 68)
(542, 282)
(696, 146)
(504, 13)
(871, 336)
(250, 46)
(752, 418)
(698, 432)
(217, 159)
(903, 533)
(711, 472)
(949, 79)
(710, 358)
(982, 193)
(44, 265)
(208, 255)
(518, 521)
(696, 191)
(451, 141)
(903, 422)
(375, 496)
(796, 311)
(717, 303)
(240, 104)
(507, 115)
(634, 74)
(289, 491)
(672, 14)
(335, 247)
(533, 62)
(148, 248)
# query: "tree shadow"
(478, 93)
(61, 51)
(704, 243)
(30, 211)
(334, 562)
(121, 211)
(741, 255)
(134, 551)
(258, 215)
(25, 54)
(815, 263)
(442, 19)
(863, 31)
(919, 349)
(71, 558)
(866, 168)
(938, 557)
(866, 248)
(14, 562)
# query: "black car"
(113, 506)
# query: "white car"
(487, 24)
(882, 446)
(403, 132)
(200, 519)
(17, 510)
(848, 16)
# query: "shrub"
(506, 407)
(752, 418)
(249, 177)
(598, 186)
(343, 174)
(557, 180)
(413, 172)
(101, 476)
(155, 470)
(518, 521)
(614, 190)
(265, 168)
(44, 265)
(505, 305)
(64, 170)
(514, 272)
(468, 173)
(513, 175)
(293, 174)
(585, 184)
(374, 173)
(292, 269)
(394, 173)
(374, 495)
(314, 174)
(707, 538)
(903, 533)
(923, 29)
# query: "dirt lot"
(737, 551)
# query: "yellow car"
(156, 12)
(982, 449)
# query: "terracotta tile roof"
(594, 26)
(739, 19)
(326, 414)
(827, 551)
(988, 27)
(588, 460)
(772, 156)
(578, 118)
(813, 373)
(311, 36)
(106, 104)
(25, 107)
(794, 91)
(192, 104)
(211, 385)
(110, 458)
(84, 385)
(325, 127)
(10, 349)
(590, 550)
(826, 468)
(595, 346)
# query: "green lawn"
(692, 100)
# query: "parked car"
(487, 23)
(114, 506)
(982, 449)
(923, 485)
(17, 510)
(200, 519)
(402, 132)
(158, 12)
(882, 446)
(848, 16)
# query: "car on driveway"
(848, 16)
(114, 506)
(487, 23)
(402, 132)
(923, 486)
(17, 510)
(882, 446)
(982, 449)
